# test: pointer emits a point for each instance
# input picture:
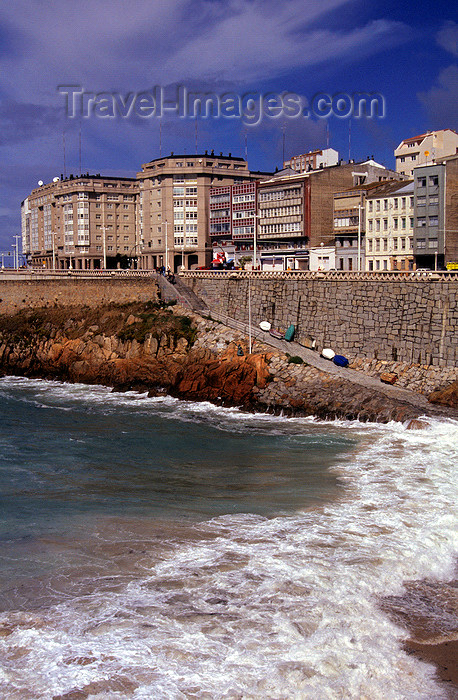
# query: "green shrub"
(295, 360)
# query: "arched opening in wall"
(193, 261)
(177, 262)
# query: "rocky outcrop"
(447, 396)
(165, 350)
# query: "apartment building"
(350, 221)
(233, 218)
(312, 160)
(296, 209)
(389, 225)
(174, 207)
(86, 222)
(425, 149)
(436, 214)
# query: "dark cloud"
(25, 122)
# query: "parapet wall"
(19, 291)
(408, 319)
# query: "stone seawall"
(412, 320)
(28, 292)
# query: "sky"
(82, 83)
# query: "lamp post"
(104, 241)
(166, 247)
(255, 232)
(358, 265)
(249, 315)
(53, 235)
(16, 247)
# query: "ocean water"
(152, 548)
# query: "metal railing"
(379, 276)
(90, 274)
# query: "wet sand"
(445, 657)
(429, 610)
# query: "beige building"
(295, 210)
(390, 227)
(425, 149)
(312, 160)
(85, 223)
(173, 206)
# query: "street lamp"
(53, 234)
(360, 208)
(255, 232)
(16, 247)
(166, 247)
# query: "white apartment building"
(312, 160)
(390, 228)
(425, 149)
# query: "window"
(370, 206)
(433, 180)
(432, 243)
(433, 221)
(421, 201)
(395, 203)
(385, 204)
(377, 224)
(385, 244)
(403, 243)
(395, 224)
(385, 264)
(434, 199)
(414, 157)
(403, 222)
(421, 243)
(421, 182)
(421, 221)
(385, 224)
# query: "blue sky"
(404, 51)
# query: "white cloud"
(441, 100)
(447, 37)
(110, 45)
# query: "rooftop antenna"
(246, 146)
(349, 140)
(283, 129)
(196, 135)
(160, 138)
(81, 169)
(63, 143)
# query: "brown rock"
(388, 377)
(447, 396)
(416, 424)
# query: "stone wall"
(35, 292)
(405, 319)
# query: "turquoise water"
(152, 548)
